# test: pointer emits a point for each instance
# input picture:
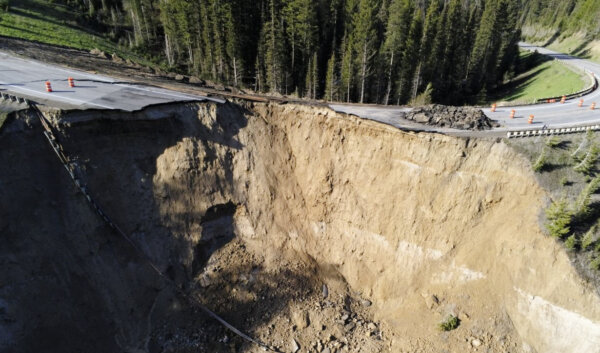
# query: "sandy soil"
(302, 227)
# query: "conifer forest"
(366, 51)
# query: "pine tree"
(331, 85)
(347, 70)
(410, 57)
(427, 60)
(455, 55)
(274, 53)
(484, 52)
(396, 33)
(364, 39)
(301, 30)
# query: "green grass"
(449, 324)
(548, 79)
(44, 22)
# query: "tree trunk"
(416, 83)
(168, 52)
(363, 73)
(235, 75)
(389, 83)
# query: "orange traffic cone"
(580, 103)
(71, 82)
(563, 99)
(530, 120)
(512, 114)
(48, 86)
(593, 106)
(494, 107)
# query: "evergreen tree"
(369, 50)
(396, 33)
(410, 57)
(364, 41)
(347, 70)
(331, 82)
(426, 56)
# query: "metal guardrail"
(547, 132)
(13, 98)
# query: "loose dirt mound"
(464, 118)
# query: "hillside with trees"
(570, 26)
(367, 51)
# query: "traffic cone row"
(530, 120)
(70, 80)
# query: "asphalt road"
(553, 115)
(26, 78)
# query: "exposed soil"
(302, 227)
(464, 118)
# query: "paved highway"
(553, 115)
(26, 78)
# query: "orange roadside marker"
(580, 103)
(530, 120)
(593, 106)
(563, 99)
(48, 86)
(512, 114)
(71, 82)
(494, 107)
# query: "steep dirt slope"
(253, 208)
(406, 216)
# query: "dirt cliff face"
(253, 207)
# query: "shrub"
(587, 165)
(558, 219)
(595, 262)
(553, 142)
(582, 204)
(571, 242)
(540, 163)
(564, 181)
(589, 136)
(588, 238)
(423, 98)
(449, 324)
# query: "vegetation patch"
(541, 78)
(53, 23)
(449, 324)
(567, 166)
(3, 117)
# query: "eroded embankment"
(224, 197)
